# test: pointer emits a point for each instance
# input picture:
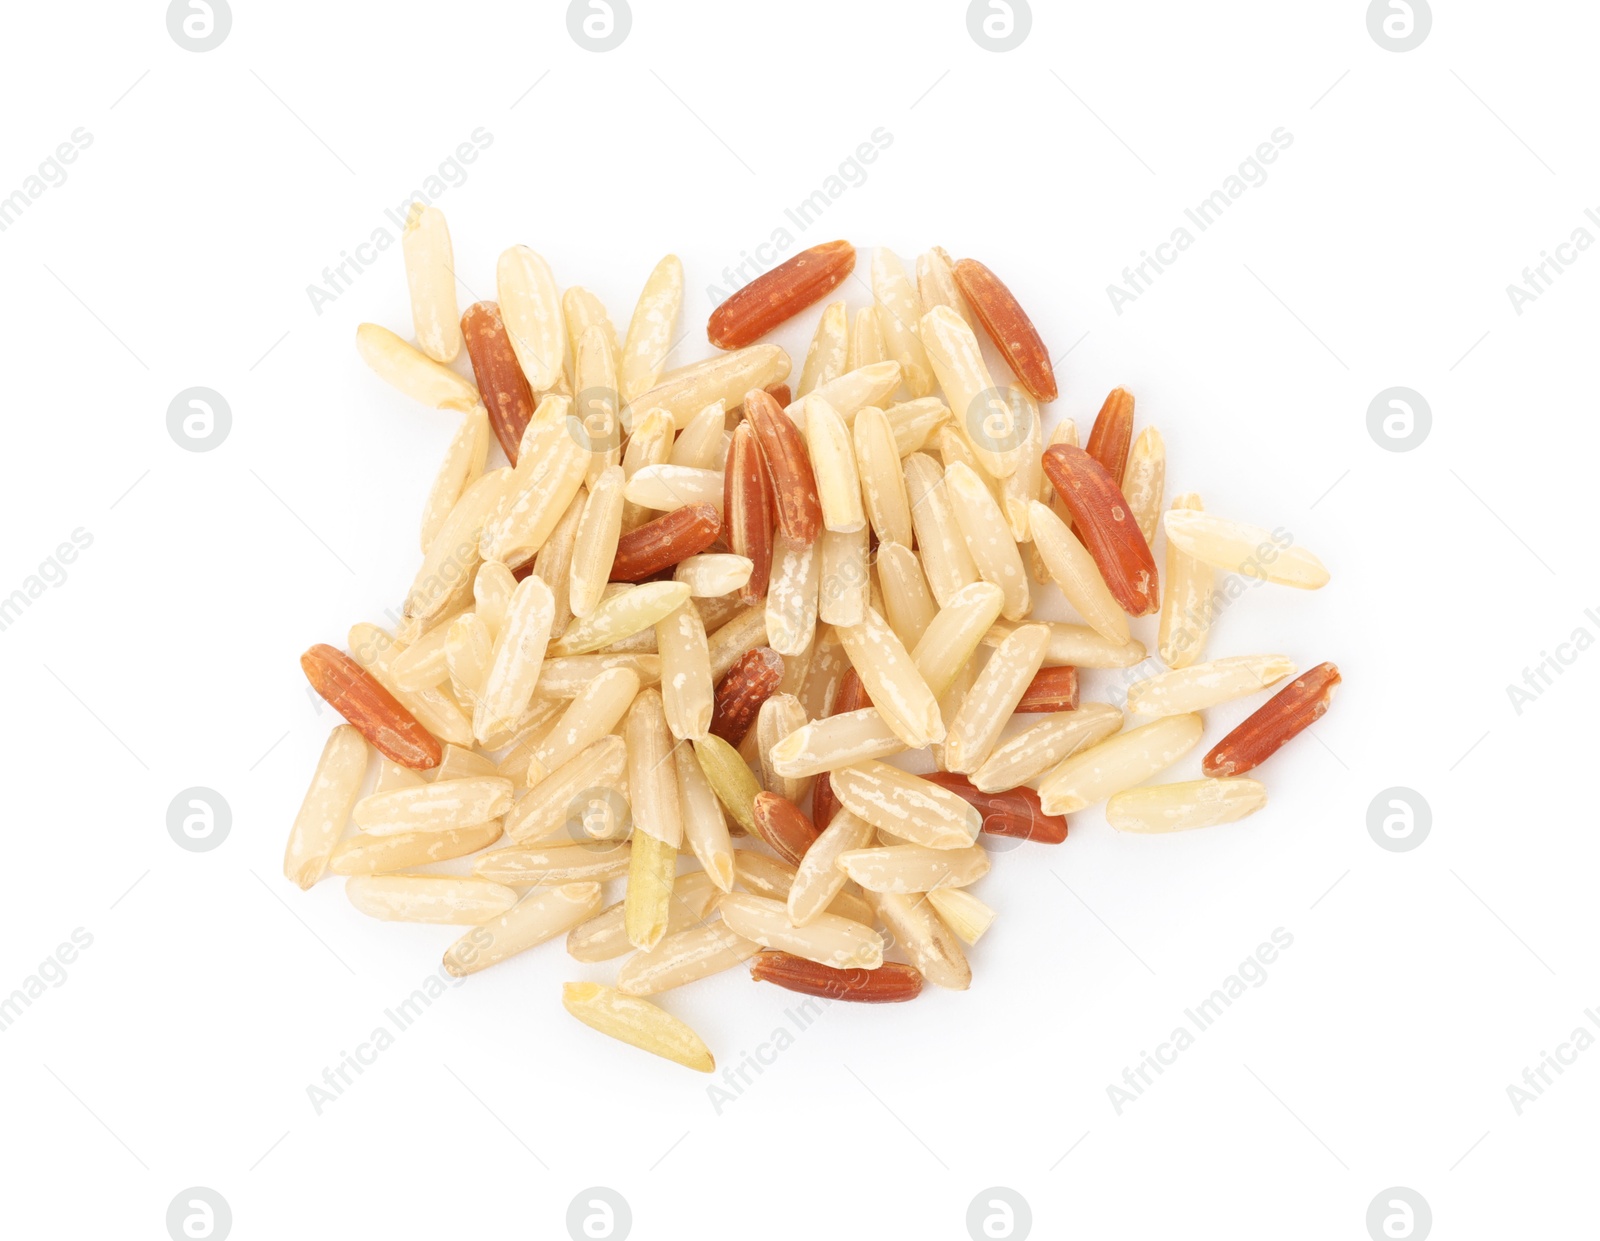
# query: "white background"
(219, 185)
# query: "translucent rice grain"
(492, 589)
(1075, 572)
(643, 642)
(684, 392)
(936, 283)
(650, 330)
(532, 865)
(1017, 490)
(531, 307)
(856, 389)
(746, 630)
(595, 545)
(713, 574)
(987, 707)
(583, 311)
(687, 692)
(597, 709)
(914, 868)
(931, 946)
(468, 650)
(779, 718)
(431, 276)
(908, 603)
(462, 466)
(539, 916)
(412, 372)
(705, 830)
(1041, 747)
(915, 809)
(717, 612)
(843, 590)
(791, 608)
(763, 875)
(883, 482)
(596, 406)
(652, 777)
(1119, 763)
(962, 912)
(662, 488)
(363, 854)
(829, 663)
(685, 957)
(539, 717)
(571, 800)
(1144, 479)
(326, 807)
(867, 345)
(699, 445)
(1181, 807)
(797, 667)
(818, 879)
(950, 706)
(1185, 599)
(829, 353)
(982, 416)
(1075, 646)
(650, 443)
(449, 564)
(914, 423)
(899, 312)
(528, 735)
(767, 876)
(632, 1020)
(827, 939)
(446, 899)
(553, 564)
(892, 681)
(542, 498)
(1206, 685)
(833, 460)
(422, 665)
(945, 558)
(988, 535)
(954, 633)
(392, 776)
(463, 764)
(438, 807)
(1238, 548)
(566, 676)
(518, 654)
(838, 741)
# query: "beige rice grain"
(1035, 751)
(431, 278)
(539, 916)
(462, 466)
(828, 356)
(883, 481)
(595, 544)
(650, 330)
(988, 706)
(531, 307)
(326, 807)
(687, 692)
(945, 558)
